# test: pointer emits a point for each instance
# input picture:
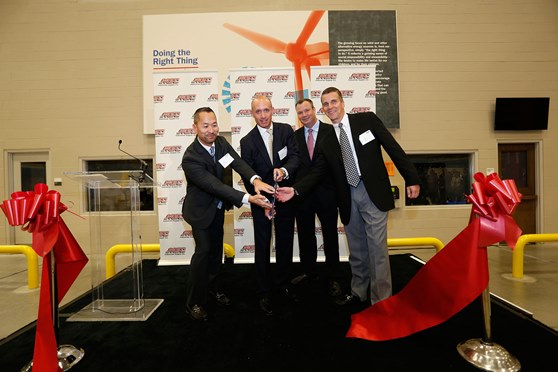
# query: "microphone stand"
(144, 165)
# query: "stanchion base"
(68, 356)
(488, 356)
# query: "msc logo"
(238, 232)
(235, 130)
(176, 149)
(370, 93)
(320, 111)
(265, 94)
(201, 81)
(359, 109)
(162, 200)
(169, 82)
(340, 230)
(173, 217)
(321, 248)
(347, 93)
(244, 113)
(278, 78)
(185, 98)
(185, 132)
(160, 166)
(315, 94)
(163, 234)
(235, 96)
(172, 115)
(327, 77)
(159, 132)
(240, 182)
(318, 230)
(290, 95)
(281, 112)
(245, 215)
(158, 99)
(172, 183)
(179, 168)
(246, 79)
(248, 249)
(181, 201)
(213, 97)
(360, 76)
(175, 251)
(186, 234)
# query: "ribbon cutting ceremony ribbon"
(455, 276)
(38, 212)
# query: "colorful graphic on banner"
(177, 94)
(278, 85)
(283, 39)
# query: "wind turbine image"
(302, 56)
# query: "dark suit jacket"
(253, 151)
(205, 185)
(325, 190)
(373, 170)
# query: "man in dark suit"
(320, 202)
(270, 149)
(352, 154)
(207, 198)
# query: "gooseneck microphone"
(143, 163)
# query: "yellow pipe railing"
(123, 248)
(32, 262)
(517, 255)
(415, 242)
(127, 248)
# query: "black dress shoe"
(221, 298)
(348, 299)
(333, 288)
(290, 295)
(265, 306)
(197, 312)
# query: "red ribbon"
(455, 276)
(38, 212)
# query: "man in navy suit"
(352, 154)
(320, 202)
(270, 149)
(207, 198)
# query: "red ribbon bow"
(38, 212)
(455, 276)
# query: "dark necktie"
(212, 153)
(348, 158)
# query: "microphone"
(143, 163)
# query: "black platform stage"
(309, 336)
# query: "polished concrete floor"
(536, 293)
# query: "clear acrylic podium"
(130, 304)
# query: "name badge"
(226, 160)
(282, 153)
(366, 137)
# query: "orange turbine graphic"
(300, 54)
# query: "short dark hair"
(200, 110)
(302, 100)
(333, 90)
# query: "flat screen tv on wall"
(521, 113)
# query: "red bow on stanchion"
(455, 276)
(38, 212)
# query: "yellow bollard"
(32, 262)
(518, 251)
(415, 242)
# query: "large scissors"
(272, 209)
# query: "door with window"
(25, 170)
(517, 161)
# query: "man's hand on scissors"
(279, 174)
(260, 186)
